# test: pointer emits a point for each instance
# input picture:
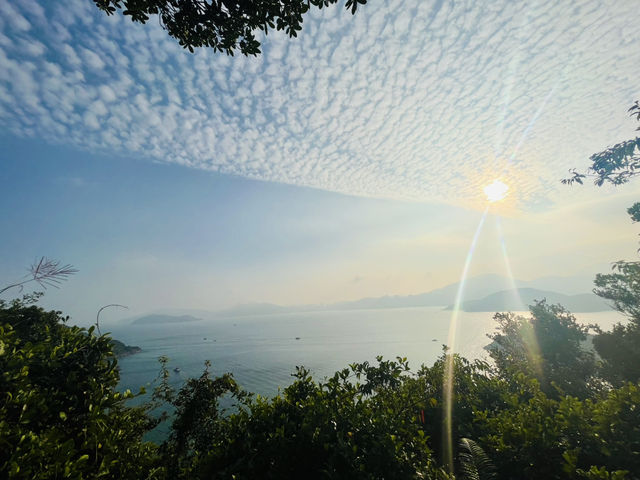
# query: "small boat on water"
(177, 369)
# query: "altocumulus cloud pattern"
(423, 100)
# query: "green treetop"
(224, 25)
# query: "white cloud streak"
(414, 100)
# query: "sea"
(262, 351)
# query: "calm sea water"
(262, 351)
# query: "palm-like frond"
(473, 462)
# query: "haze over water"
(262, 351)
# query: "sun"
(496, 191)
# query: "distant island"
(121, 350)
(155, 319)
(519, 299)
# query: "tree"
(615, 165)
(619, 349)
(622, 288)
(224, 25)
(198, 419)
(548, 346)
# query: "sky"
(348, 162)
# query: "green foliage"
(382, 421)
(523, 441)
(621, 287)
(615, 425)
(634, 212)
(60, 413)
(601, 473)
(615, 165)
(619, 348)
(545, 438)
(336, 428)
(548, 346)
(223, 25)
(198, 420)
(532, 415)
(474, 388)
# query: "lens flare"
(496, 191)
(507, 265)
(447, 427)
(529, 339)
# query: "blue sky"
(346, 163)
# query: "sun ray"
(448, 370)
(529, 339)
(533, 121)
(507, 263)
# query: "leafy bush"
(336, 428)
(61, 415)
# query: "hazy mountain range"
(519, 299)
(484, 293)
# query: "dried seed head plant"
(46, 273)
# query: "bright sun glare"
(496, 191)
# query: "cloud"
(13, 18)
(411, 100)
(92, 60)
